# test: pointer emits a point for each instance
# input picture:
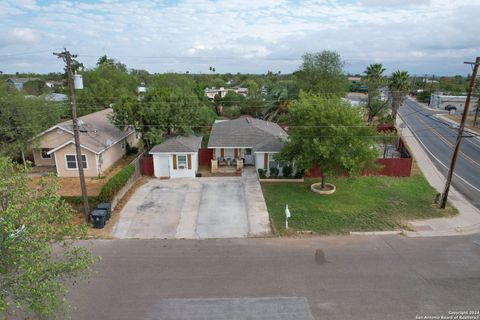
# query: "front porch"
(229, 171)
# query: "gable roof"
(178, 144)
(96, 132)
(21, 80)
(247, 133)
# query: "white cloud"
(246, 36)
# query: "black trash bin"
(107, 207)
(99, 218)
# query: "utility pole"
(460, 133)
(73, 104)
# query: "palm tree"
(280, 96)
(374, 77)
(399, 86)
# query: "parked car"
(450, 107)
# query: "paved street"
(438, 137)
(363, 277)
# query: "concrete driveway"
(187, 208)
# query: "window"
(72, 161)
(272, 163)
(45, 154)
(182, 162)
(248, 151)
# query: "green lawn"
(359, 204)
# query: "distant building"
(354, 78)
(53, 84)
(440, 101)
(56, 97)
(210, 93)
(19, 82)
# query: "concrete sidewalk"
(468, 219)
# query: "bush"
(116, 183)
(261, 174)
(274, 172)
(299, 173)
(287, 171)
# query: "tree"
(105, 85)
(35, 87)
(374, 77)
(253, 87)
(328, 132)
(162, 111)
(322, 73)
(22, 118)
(399, 86)
(281, 94)
(33, 273)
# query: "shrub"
(116, 183)
(274, 172)
(261, 173)
(299, 173)
(287, 171)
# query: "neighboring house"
(56, 97)
(210, 93)
(19, 82)
(354, 78)
(176, 157)
(102, 145)
(52, 84)
(252, 140)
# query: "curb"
(376, 233)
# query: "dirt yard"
(105, 232)
(468, 123)
(71, 186)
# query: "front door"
(248, 156)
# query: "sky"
(246, 36)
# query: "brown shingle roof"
(96, 130)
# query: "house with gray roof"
(254, 141)
(102, 145)
(176, 157)
(18, 83)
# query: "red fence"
(146, 166)
(399, 167)
(391, 167)
(205, 156)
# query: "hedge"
(107, 192)
(116, 183)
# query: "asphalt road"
(363, 277)
(438, 138)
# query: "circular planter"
(329, 188)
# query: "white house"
(211, 93)
(440, 101)
(253, 140)
(176, 157)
